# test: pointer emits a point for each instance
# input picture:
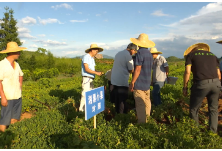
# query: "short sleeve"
(20, 71)
(139, 59)
(165, 64)
(129, 61)
(188, 60)
(85, 59)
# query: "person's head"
(132, 48)
(14, 55)
(93, 50)
(154, 52)
(13, 50)
(195, 47)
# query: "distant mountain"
(104, 56)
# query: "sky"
(68, 28)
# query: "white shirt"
(123, 62)
(10, 79)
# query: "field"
(51, 120)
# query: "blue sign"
(95, 102)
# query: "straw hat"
(143, 41)
(12, 47)
(154, 50)
(94, 46)
(201, 46)
(219, 42)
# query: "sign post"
(95, 103)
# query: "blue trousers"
(156, 92)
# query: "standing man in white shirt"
(122, 67)
(11, 77)
(160, 74)
(88, 72)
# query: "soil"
(26, 115)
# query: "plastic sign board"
(95, 102)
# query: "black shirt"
(204, 65)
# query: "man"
(122, 67)
(88, 72)
(160, 74)
(206, 81)
(11, 77)
(140, 85)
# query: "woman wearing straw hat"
(140, 85)
(159, 76)
(11, 77)
(88, 72)
(206, 81)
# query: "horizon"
(67, 29)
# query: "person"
(220, 42)
(88, 72)
(11, 77)
(122, 67)
(159, 75)
(110, 86)
(140, 85)
(206, 81)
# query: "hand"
(4, 102)
(131, 87)
(99, 73)
(185, 91)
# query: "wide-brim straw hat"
(143, 41)
(219, 42)
(94, 46)
(154, 50)
(202, 46)
(12, 47)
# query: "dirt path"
(26, 115)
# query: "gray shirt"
(159, 72)
(123, 62)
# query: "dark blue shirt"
(145, 59)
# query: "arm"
(91, 71)
(186, 78)
(135, 76)
(167, 70)
(219, 74)
(20, 81)
(4, 101)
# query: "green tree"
(41, 50)
(50, 60)
(8, 29)
(32, 63)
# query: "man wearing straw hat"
(140, 85)
(11, 77)
(220, 42)
(160, 74)
(88, 72)
(122, 67)
(206, 81)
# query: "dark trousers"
(205, 88)
(121, 95)
(111, 93)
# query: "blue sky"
(68, 28)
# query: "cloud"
(51, 42)
(98, 15)
(23, 41)
(23, 30)
(27, 21)
(42, 35)
(45, 45)
(26, 35)
(159, 13)
(33, 46)
(106, 20)
(79, 12)
(49, 21)
(205, 24)
(64, 5)
(1, 21)
(79, 21)
(70, 52)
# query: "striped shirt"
(145, 59)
